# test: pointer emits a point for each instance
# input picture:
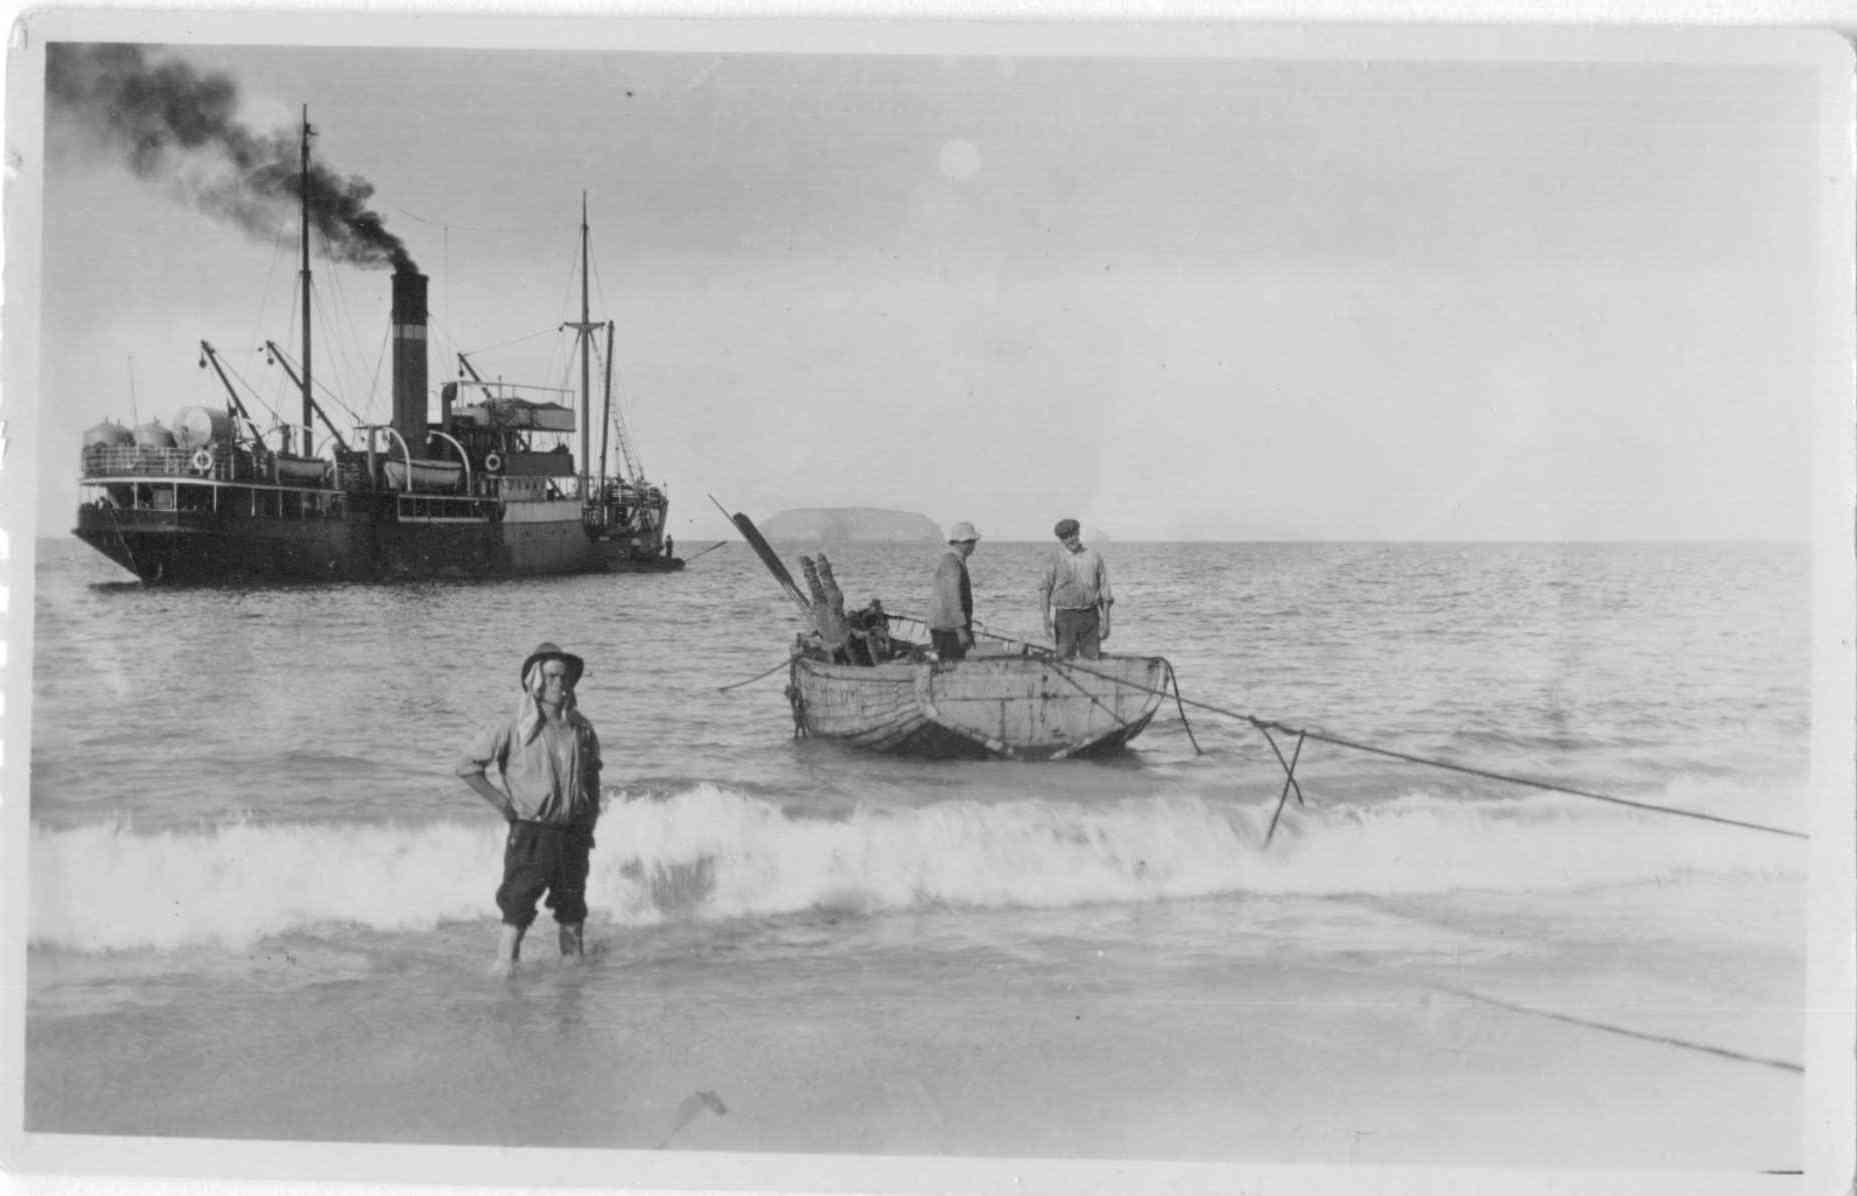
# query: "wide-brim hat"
(962, 532)
(547, 651)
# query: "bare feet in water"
(508, 951)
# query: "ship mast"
(606, 406)
(586, 355)
(309, 404)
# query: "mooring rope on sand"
(1622, 1031)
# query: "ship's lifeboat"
(301, 471)
(427, 475)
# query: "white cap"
(962, 531)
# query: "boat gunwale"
(916, 676)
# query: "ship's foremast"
(583, 330)
(303, 184)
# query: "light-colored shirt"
(553, 778)
(1075, 580)
(951, 602)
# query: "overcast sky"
(1540, 295)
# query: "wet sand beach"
(1582, 1050)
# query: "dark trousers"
(947, 644)
(1078, 634)
(539, 858)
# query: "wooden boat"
(869, 679)
(1022, 704)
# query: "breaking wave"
(711, 853)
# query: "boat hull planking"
(1007, 707)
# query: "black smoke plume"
(166, 120)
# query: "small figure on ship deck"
(951, 602)
(549, 758)
(1075, 595)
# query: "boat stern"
(1042, 708)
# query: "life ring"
(493, 463)
(202, 462)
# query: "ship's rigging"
(490, 488)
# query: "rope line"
(1642, 1036)
(1174, 682)
(448, 225)
(1094, 700)
(711, 548)
(1543, 785)
(750, 681)
(1266, 726)
(515, 340)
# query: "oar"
(1042, 649)
(766, 552)
(768, 556)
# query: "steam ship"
(494, 489)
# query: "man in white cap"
(549, 759)
(951, 604)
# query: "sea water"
(251, 860)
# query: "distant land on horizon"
(851, 525)
(869, 525)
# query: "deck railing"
(211, 463)
(111, 460)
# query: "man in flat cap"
(549, 761)
(1075, 595)
(951, 601)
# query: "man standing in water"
(1075, 595)
(549, 759)
(951, 603)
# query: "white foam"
(712, 853)
(110, 887)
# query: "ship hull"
(192, 548)
(1006, 707)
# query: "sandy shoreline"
(1283, 1062)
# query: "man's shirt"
(552, 778)
(1076, 580)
